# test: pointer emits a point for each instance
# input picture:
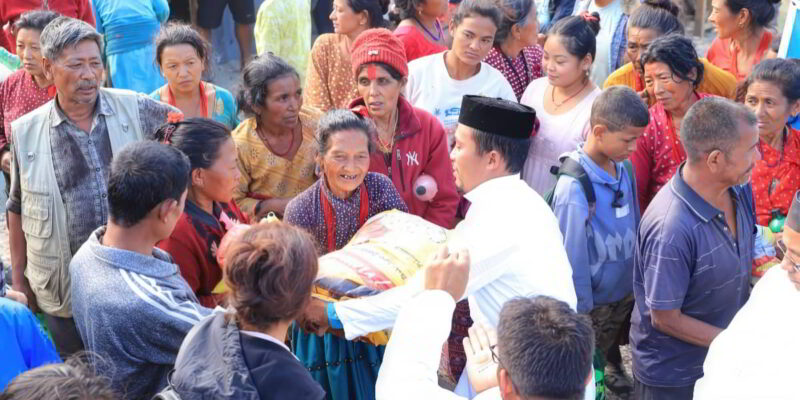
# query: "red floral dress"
(776, 177)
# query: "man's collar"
(102, 107)
(490, 187)
(697, 204)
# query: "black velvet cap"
(497, 116)
(793, 219)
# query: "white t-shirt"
(558, 134)
(432, 89)
(609, 19)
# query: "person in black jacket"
(241, 354)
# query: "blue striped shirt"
(686, 258)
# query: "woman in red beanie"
(410, 141)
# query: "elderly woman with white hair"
(65, 191)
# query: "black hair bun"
(594, 22)
(665, 5)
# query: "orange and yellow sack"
(389, 249)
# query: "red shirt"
(415, 43)
(193, 246)
(420, 147)
(10, 10)
(782, 172)
(19, 95)
(658, 154)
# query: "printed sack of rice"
(389, 249)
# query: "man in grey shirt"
(131, 305)
(61, 152)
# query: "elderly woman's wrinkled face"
(672, 91)
(638, 40)
(182, 67)
(282, 105)
(77, 72)
(472, 39)
(379, 90)
(29, 51)
(770, 106)
(346, 161)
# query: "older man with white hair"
(61, 153)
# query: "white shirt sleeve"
(363, 316)
(412, 355)
(414, 80)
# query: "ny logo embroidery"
(411, 158)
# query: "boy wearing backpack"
(596, 205)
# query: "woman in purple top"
(332, 210)
(346, 195)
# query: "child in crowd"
(598, 212)
(129, 301)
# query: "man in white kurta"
(513, 237)
(757, 356)
(515, 244)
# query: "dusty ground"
(626, 363)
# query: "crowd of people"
(602, 184)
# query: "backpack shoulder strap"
(574, 169)
(628, 165)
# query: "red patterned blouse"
(658, 154)
(776, 177)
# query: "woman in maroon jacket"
(210, 210)
(410, 141)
